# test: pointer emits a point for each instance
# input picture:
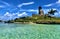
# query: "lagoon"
(29, 31)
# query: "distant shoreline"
(37, 22)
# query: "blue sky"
(11, 9)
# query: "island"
(39, 18)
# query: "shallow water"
(29, 31)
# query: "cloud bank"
(9, 16)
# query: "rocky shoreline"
(38, 22)
(47, 22)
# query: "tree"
(51, 12)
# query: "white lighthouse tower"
(41, 13)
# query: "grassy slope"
(37, 18)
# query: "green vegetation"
(35, 19)
(38, 18)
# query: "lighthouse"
(41, 13)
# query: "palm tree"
(51, 12)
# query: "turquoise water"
(29, 31)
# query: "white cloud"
(23, 14)
(58, 1)
(7, 14)
(29, 3)
(17, 14)
(57, 4)
(29, 10)
(13, 14)
(32, 10)
(1, 6)
(54, 9)
(48, 5)
(5, 3)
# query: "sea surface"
(29, 31)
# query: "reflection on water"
(29, 31)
